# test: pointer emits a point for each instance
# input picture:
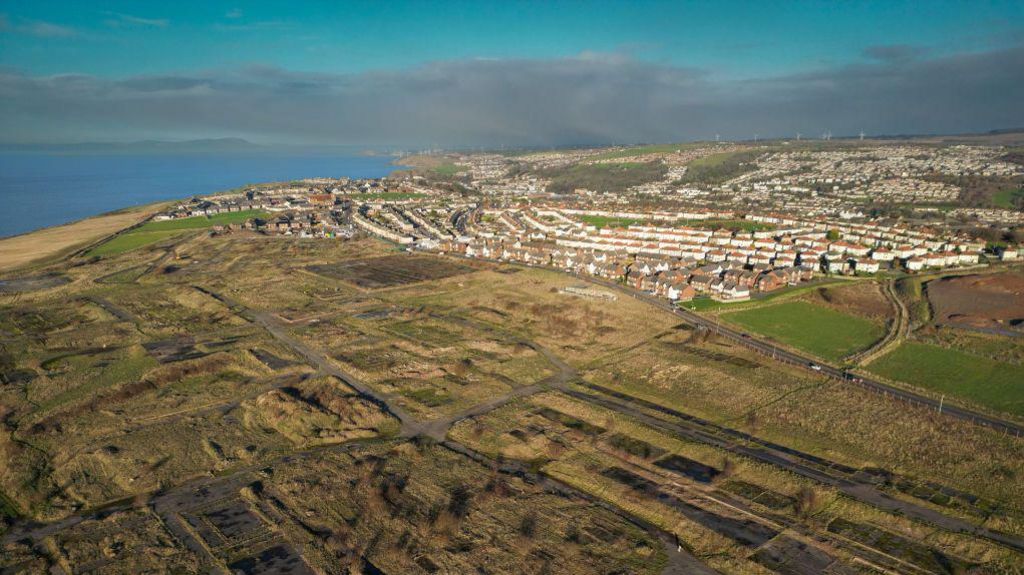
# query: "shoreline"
(385, 165)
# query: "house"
(882, 255)
(716, 256)
(837, 266)
(1009, 253)
(321, 200)
(635, 278)
(865, 266)
(771, 281)
(728, 291)
(967, 258)
(934, 260)
(680, 292)
(914, 264)
(702, 282)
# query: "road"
(678, 425)
(679, 561)
(806, 362)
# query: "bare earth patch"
(988, 302)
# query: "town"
(775, 219)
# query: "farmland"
(816, 329)
(993, 384)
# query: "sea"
(39, 190)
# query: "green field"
(387, 196)
(199, 222)
(818, 330)
(154, 232)
(611, 177)
(987, 382)
(1008, 198)
(718, 168)
(733, 225)
(448, 169)
(130, 241)
(606, 222)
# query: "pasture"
(824, 332)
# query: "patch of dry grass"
(47, 243)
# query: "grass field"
(154, 232)
(1007, 198)
(606, 221)
(704, 303)
(130, 241)
(447, 169)
(387, 196)
(734, 225)
(991, 383)
(201, 222)
(615, 177)
(718, 168)
(823, 332)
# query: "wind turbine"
(798, 136)
(717, 138)
(862, 135)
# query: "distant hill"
(204, 146)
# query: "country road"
(810, 363)
(784, 458)
(679, 560)
(674, 423)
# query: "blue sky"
(705, 48)
(734, 39)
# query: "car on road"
(814, 366)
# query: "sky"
(465, 74)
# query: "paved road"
(679, 561)
(785, 355)
(809, 363)
(796, 462)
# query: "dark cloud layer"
(585, 100)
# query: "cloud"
(894, 52)
(37, 28)
(118, 20)
(249, 26)
(590, 99)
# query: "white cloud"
(117, 20)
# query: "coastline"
(44, 191)
(41, 246)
